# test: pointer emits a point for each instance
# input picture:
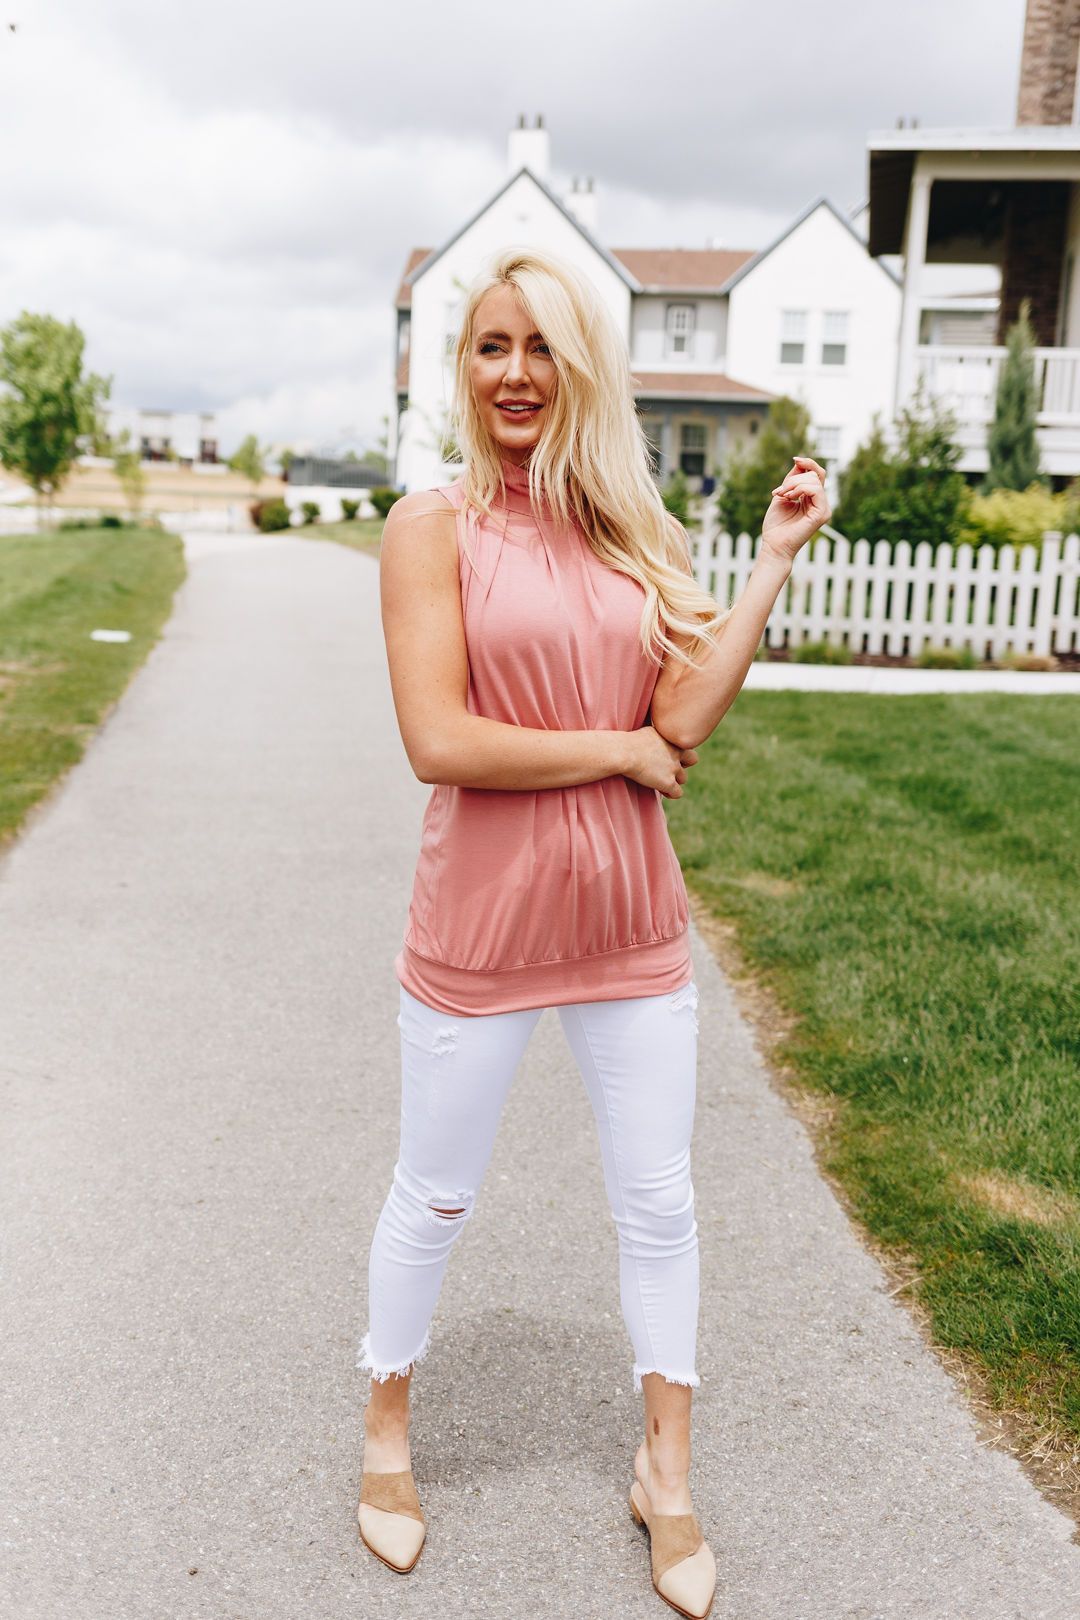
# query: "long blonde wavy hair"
(591, 463)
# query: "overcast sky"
(223, 195)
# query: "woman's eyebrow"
(506, 335)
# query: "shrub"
(274, 515)
(382, 498)
(310, 510)
(821, 652)
(676, 496)
(1035, 661)
(1015, 517)
(947, 658)
(913, 493)
(349, 509)
(748, 478)
(255, 511)
(110, 520)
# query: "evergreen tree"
(1012, 445)
(916, 492)
(748, 480)
(869, 474)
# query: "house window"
(792, 337)
(680, 327)
(834, 338)
(692, 448)
(828, 443)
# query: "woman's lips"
(530, 410)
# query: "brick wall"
(1048, 62)
(1032, 255)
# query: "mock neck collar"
(516, 480)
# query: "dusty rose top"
(552, 895)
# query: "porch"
(966, 380)
(694, 420)
(1007, 198)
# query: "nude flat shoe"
(683, 1567)
(391, 1519)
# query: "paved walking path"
(200, 1064)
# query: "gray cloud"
(225, 199)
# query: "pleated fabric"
(542, 897)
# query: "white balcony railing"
(966, 379)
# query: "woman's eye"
(489, 347)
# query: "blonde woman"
(555, 666)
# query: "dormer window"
(679, 326)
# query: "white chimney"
(581, 201)
(529, 148)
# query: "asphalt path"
(199, 1054)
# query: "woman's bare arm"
(420, 595)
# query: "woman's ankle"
(386, 1423)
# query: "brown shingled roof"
(697, 385)
(680, 269)
(404, 292)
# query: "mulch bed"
(1067, 662)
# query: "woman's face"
(510, 365)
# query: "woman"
(555, 666)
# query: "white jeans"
(638, 1059)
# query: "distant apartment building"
(183, 436)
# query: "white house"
(713, 334)
(191, 436)
(997, 202)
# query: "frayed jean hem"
(689, 1378)
(366, 1363)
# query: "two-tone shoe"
(683, 1567)
(391, 1519)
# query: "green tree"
(285, 461)
(676, 496)
(916, 492)
(869, 473)
(129, 470)
(49, 403)
(249, 460)
(1011, 442)
(748, 479)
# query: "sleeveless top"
(546, 896)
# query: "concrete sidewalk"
(200, 1063)
(782, 676)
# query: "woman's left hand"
(798, 509)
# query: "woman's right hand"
(656, 763)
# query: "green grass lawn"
(363, 534)
(904, 874)
(55, 683)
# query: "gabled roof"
(818, 202)
(435, 254)
(688, 270)
(404, 292)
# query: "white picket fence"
(897, 600)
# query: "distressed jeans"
(638, 1059)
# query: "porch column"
(667, 448)
(915, 229)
